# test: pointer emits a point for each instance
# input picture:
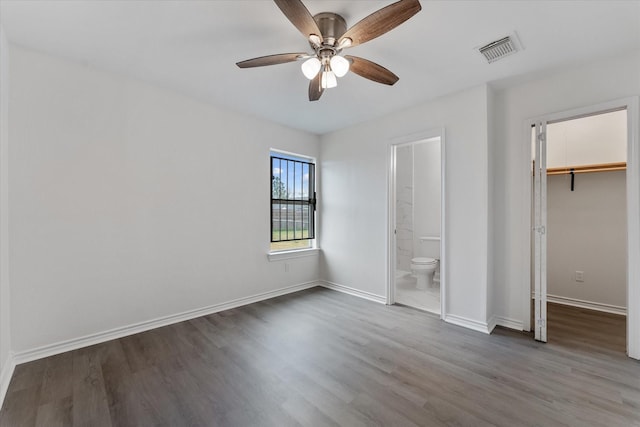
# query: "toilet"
(424, 268)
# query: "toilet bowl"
(424, 268)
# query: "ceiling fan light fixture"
(328, 79)
(311, 67)
(327, 34)
(315, 41)
(344, 42)
(339, 65)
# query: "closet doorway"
(584, 212)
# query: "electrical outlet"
(579, 276)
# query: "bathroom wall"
(404, 207)
(426, 212)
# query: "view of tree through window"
(292, 202)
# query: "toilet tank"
(428, 246)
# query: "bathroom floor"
(407, 294)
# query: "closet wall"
(587, 227)
(587, 232)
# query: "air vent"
(498, 49)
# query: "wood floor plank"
(20, 407)
(55, 413)
(90, 403)
(57, 380)
(307, 414)
(322, 358)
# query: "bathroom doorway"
(584, 214)
(416, 208)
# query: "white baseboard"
(87, 340)
(352, 291)
(5, 377)
(491, 325)
(468, 323)
(607, 308)
(505, 322)
(590, 305)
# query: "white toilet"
(424, 268)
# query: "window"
(293, 202)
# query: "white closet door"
(540, 228)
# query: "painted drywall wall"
(130, 203)
(355, 165)
(404, 207)
(5, 306)
(590, 140)
(587, 231)
(426, 209)
(580, 86)
(492, 126)
(418, 201)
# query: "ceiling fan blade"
(381, 21)
(371, 70)
(280, 58)
(315, 89)
(300, 17)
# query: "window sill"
(299, 253)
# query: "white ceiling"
(192, 47)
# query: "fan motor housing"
(331, 25)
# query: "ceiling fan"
(328, 35)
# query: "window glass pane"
(275, 221)
(290, 179)
(297, 229)
(298, 181)
(292, 210)
(305, 221)
(305, 181)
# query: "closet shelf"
(602, 167)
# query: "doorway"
(584, 214)
(416, 254)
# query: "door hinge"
(541, 136)
(541, 229)
(541, 322)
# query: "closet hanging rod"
(602, 167)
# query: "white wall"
(130, 203)
(124, 209)
(587, 231)
(5, 307)
(355, 164)
(581, 86)
(427, 205)
(587, 141)
(493, 122)
(404, 207)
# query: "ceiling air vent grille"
(498, 49)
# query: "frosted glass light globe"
(328, 80)
(339, 65)
(311, 67)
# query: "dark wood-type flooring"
(586, 330)
(322, 358)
